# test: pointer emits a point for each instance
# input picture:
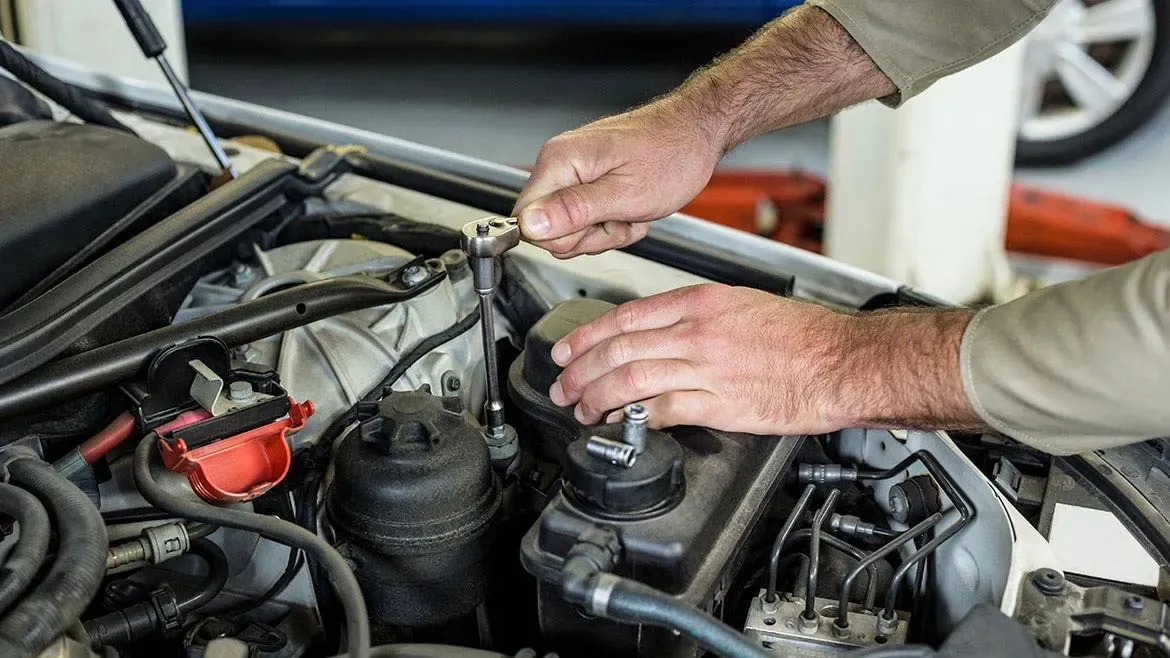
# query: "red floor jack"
(789, 206)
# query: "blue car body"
(583, 12)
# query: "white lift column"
(920, 194)
(92, 33)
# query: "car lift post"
(919, 194)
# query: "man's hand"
(738, 359)
(594, 188)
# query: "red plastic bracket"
(241, 467)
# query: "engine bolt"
(1050, 582)
(634, 423)
(1135, 603)
(614, 452)
(886, 625)
(807, 625)
(414, 275)
(451, 383)
(240, 391)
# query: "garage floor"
(504, 107)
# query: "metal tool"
(484, 241)
(153, 47)
(617, 453)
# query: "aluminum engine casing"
(334, 362)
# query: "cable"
(217, 575)
(814, 554)
(119, 429)
(340, 576)
(58, 91)
(782, 537)
(24, 560)
(296, 560)
(77, 571)
(424, 347)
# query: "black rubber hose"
(24, 560)
(58, 91)
(340, 576)
(636, 603)
(217, 575)
(199, 530)
(77, 572)
(782, 537)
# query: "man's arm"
(801, 67)
(917, 42)
(1079, 366)
(594, 188)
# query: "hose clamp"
(599, 601)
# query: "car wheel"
(1094, 71)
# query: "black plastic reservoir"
(412, 504)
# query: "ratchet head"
(483, 241)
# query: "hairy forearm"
(795, 69)
(901, 369)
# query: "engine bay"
(253, 412)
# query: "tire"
(1147, 99)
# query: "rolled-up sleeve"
(916, 42)
(1078, 366)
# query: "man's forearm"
(795, 69)
(901, 369)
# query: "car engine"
(246, 418)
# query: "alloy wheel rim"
(1082, 63)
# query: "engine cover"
(336, 361)
(64, 184)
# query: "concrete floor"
(503, 109)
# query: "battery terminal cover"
(241, 467)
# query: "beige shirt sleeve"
(1078, 366)
(916, 42)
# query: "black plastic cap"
(539, 369)
(415, 477)
(653, 485)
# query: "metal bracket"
(1055, 609)
(209, 391)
